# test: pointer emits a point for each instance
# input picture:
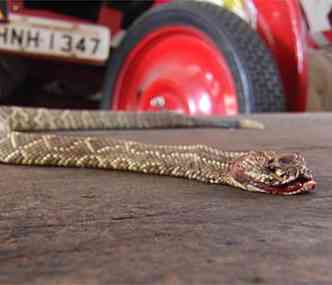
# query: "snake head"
(273, 173)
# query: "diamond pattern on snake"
(22, 143)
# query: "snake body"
(22, 142)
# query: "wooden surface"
(84, 226)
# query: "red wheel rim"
(176, 68)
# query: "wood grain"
(84, 226)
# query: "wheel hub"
(176, 68)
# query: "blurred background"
(197, 57)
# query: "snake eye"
(286, 159)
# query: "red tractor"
(187, 56)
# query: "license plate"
(54, 38)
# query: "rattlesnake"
(23, 142)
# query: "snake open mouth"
(299, 185)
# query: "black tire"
(258, 85)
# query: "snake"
(30, 136)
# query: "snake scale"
(26, 138)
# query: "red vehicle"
(187, 56)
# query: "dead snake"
(21, 142)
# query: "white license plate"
(54, 38)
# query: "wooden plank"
(84, 226)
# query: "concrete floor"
(86, 226)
